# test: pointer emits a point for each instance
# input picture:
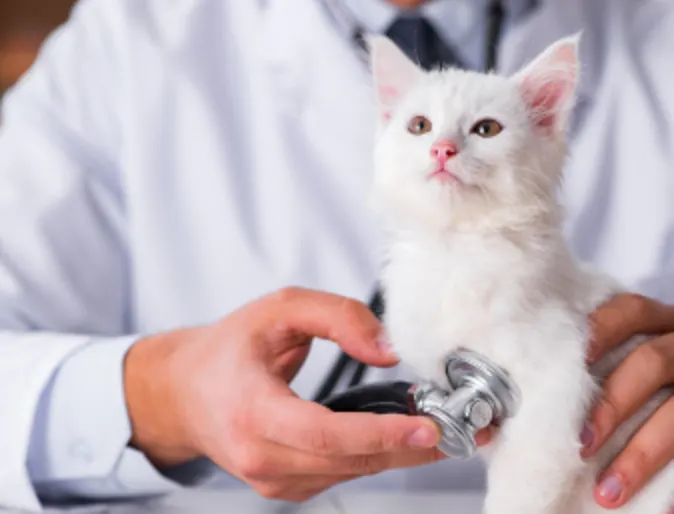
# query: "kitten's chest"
(437, 302)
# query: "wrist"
(152, 390)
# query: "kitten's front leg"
(535, 463)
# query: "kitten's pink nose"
(443, 150)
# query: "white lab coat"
(165, 162)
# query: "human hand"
(649, 368)
(221, 391)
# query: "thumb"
(347, 322)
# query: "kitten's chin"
(429, 210)
(440, 202)
(447, 205)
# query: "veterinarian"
(169, 169)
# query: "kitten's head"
(464, 149)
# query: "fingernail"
(610, 488)
(385, 346)
(587, 437)
(424, 437)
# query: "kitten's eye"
(419, 125)
(487, 128)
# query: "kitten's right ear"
(548, 83)
(393, 72)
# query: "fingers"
(347, 322)
(317, 430)
(407, 459)
(649, 451)
(297, 463)
(484, 436)
(628, 388)
(279, 472)
(266, 461)
(289, 446)
(372, 464)
(624, 316)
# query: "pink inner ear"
(547, 98)
(394, 74)
(548, 86)
(544, 101)
(388, 94)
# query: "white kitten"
(467, 169)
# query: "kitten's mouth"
(444, 175)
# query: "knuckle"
(253, 465)
(636, 462)
(652, 359)
(322, 442)
(242, 425)
(272, 491)
(637, 305)
(366, 464)
(287, 294)
(611, 411)
(351, 309)
(392, 437)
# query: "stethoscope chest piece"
(482, 394)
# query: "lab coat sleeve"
(78, 446)
(64, 265)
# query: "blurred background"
(23, 26)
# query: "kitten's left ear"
(393, 72)
(548, 84)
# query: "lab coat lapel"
(325, 101)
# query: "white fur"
(482, 264)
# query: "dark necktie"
(418, 39)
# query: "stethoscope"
(480, 392)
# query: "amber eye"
(419, 125)
(487, 128)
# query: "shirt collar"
(375, 16)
